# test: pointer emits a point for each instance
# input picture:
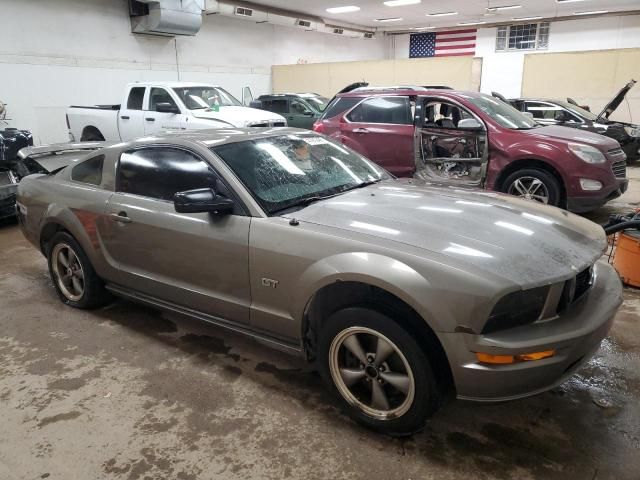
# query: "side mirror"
(247, 96)
(166, 107)
(308, 113)
(561, 116)
(202, 200)
(469, 124)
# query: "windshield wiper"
(303, 202)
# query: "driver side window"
(298, 108)
(440, 114)
(162, 172)
(159, 95)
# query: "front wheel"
(377, 371)
(534, 184)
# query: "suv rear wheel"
(73, 276)
(534, 184)
(377, 371)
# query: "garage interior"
(129, 391)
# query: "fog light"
(590, 185)
(508, 359)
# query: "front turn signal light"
(509, 359)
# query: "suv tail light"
(318, 127)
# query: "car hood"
(524, 242)
(574, 135)
(239, 116)
(617, 100)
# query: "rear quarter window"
(89, 171)
(340, 105)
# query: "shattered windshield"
(504, 114)
(291, 170)
(198, 98)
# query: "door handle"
(124, 117)
(150, 119)
(360, 130)
(120, 217)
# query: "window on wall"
(529, 36)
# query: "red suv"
(473, 139)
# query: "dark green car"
(300, 109)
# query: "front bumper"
(575, 336)
(588, 204)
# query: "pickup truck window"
(392, 110)
(160, 173)
(196, 98)
(89, 171)
(159, 95)
(136, 96)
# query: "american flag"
(443, 44)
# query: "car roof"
(173, 84)
(303, 95)
(400, 91)
(212, 137)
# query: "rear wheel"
(534, 184)
(91, 134)
(73, 276)
(377, 371)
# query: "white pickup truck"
(155, 106)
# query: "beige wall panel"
(591, 78)
(328, 78)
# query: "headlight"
(587, 153)
(632, 131)
(517, 308)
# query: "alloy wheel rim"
(371, 373)
(530, 188)
(68, 271)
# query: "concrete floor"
(130, 393)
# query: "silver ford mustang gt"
(402, 292)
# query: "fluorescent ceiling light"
(462, 24)
(441, 14)
(518, 19)
(592, 12)
(568, 1)
(347, 9)
(505, 7)
(394, 19)
(399, 3)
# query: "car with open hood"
(568, 113)
(401, 292)
(471, 139)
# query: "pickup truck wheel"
(377, 371)
(73, 276)
(534, 184)
(91, 134)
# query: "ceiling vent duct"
(166, 17)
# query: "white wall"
(502, 71)
(57, 53)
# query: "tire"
(534, 180)
(91, 135)
(407, 409)
(83, 289)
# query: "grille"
(268, 124)
(615, 151)
(575, 288)
(619, 169)
(6, 178)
